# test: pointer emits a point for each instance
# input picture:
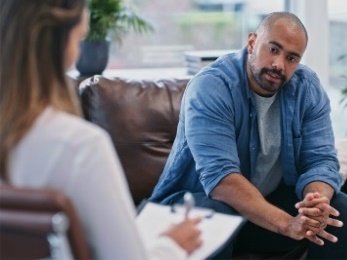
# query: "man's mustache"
(273, 71)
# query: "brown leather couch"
(141, 116)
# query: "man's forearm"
(236, 191)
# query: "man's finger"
(328, 236)
(328, 209)
(313, 238)
(309, 203)
(334, 222)
(312, 223)
(314, 212)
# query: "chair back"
(39, 223)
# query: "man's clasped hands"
(314, 216)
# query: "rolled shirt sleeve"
(210, 130)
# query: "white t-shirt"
(65, 152)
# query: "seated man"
(255, 138)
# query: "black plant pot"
(93, 57)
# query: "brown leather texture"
(141, 116)
(25, 221)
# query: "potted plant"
(108, 18)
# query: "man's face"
(273, 57)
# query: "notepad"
(216, 228)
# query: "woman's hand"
(186, 234)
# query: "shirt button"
(250, 115)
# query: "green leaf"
(112, 17)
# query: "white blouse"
(65, 152)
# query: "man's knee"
(339, 202)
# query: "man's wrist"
(321, 188)
(283, 226)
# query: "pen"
(188, 203)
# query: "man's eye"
(273, 50)
(291, 59)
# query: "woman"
(44, 142)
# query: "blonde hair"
(33, 35)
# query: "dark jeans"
(255, 239)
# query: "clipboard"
(217, 229)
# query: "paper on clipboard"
(216, 228)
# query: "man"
(255, 137)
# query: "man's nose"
(278, 63)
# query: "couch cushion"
(141, 117)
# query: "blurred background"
(190, 25)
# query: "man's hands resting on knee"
(316, 207)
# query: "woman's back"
(64, 152)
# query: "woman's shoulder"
(56, 141)
(59, 125)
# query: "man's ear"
(250, 43)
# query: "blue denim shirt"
(217, 132)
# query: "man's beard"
(266, 84)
